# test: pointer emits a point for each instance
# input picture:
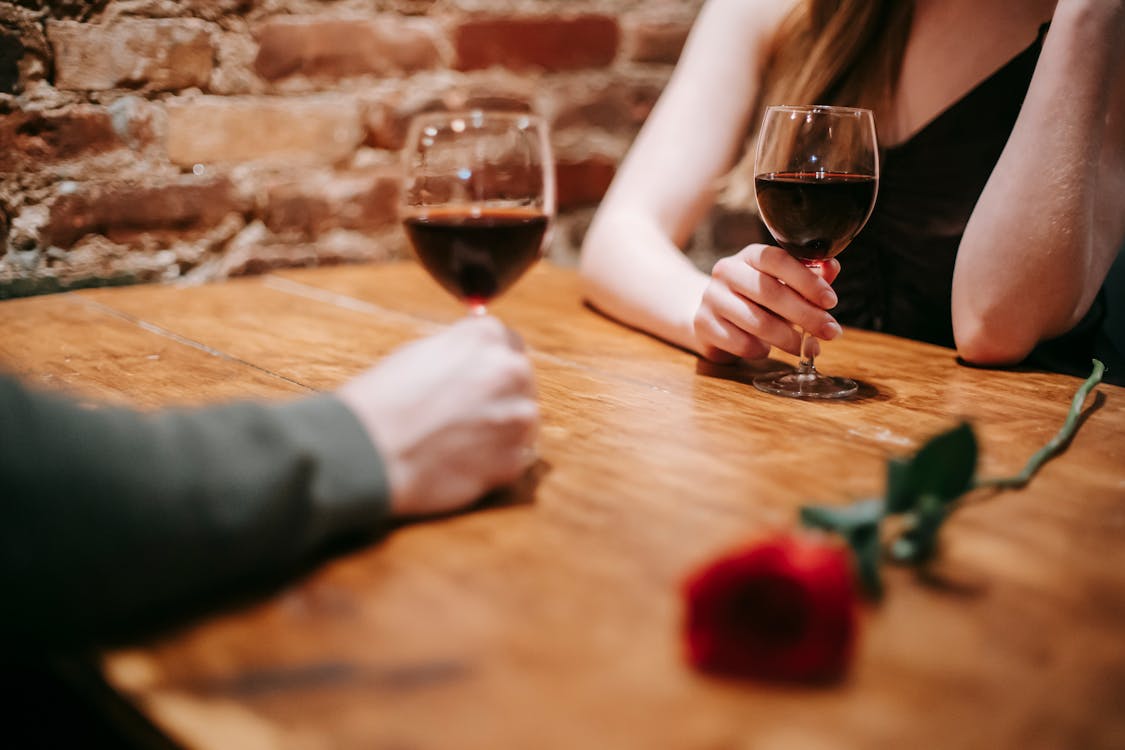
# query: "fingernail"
(828, 299)
(830, 331)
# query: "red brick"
(619, 107)
(154, 55)
(307, 208)
(30, 139)
(584, 182)
(653, 41)
(369, 202)
(550, 43)
(291, 209)
(308, 130)
(338, 48)
(123, 210)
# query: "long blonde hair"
(846, 52)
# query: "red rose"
(783, 609)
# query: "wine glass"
(478, 196)
(816, 175)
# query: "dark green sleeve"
(111, 517)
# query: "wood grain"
(63, 341)
(549, 618)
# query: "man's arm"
(112, 517)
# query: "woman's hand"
(756, 297)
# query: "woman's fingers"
(751, 317)
(718, 335)
(828, 270)
(783, 286)
(775, 262)
(755, 299)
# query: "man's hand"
(453, 415)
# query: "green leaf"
(942, 468)
(945, 466)
(842, 519)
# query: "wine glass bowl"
(816, 176)
(478, 198)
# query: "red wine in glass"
(816, 178)
(814, 215)
(478, 198)
(476, 254)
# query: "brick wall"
(145, 140)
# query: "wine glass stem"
(478, 310)
(808, 346)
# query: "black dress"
(897, 275)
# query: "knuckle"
(763, 255)
(711, 297)
(773, 254)
(723, 268)
(750, 252)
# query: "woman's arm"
(632, 266)
(1052, 215)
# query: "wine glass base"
(809, 385)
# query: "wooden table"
(552, 620)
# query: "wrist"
(690, 310)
